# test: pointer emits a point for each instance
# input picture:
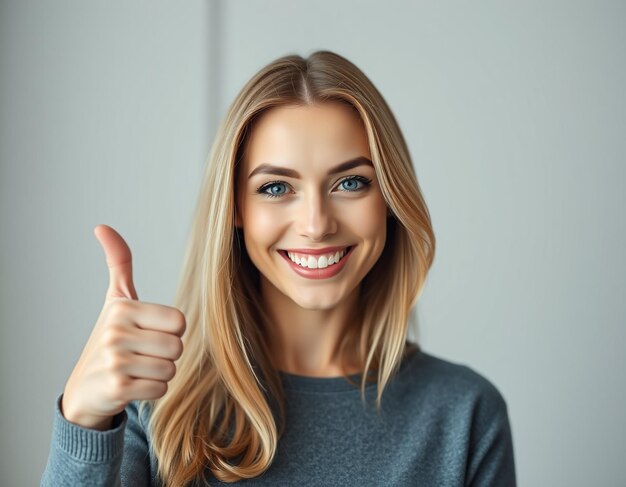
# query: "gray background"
(515, 118)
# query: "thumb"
(120, 263)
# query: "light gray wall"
(514, 115)
(104, 118)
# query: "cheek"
(260, 224)
(367, 219)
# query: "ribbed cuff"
(89, 445)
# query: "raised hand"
(131, 351)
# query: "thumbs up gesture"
(131, 351)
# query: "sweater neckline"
(305, 383)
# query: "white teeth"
(311, 262)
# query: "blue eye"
(350, 188)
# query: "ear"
(238, 222)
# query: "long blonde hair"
(226, 401)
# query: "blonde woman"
(285, 360)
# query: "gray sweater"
(441, 424)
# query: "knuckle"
(180, 320)
(112, 336)
(177, 348)
(119, 383)
(117, 363)
(169, 370)
(119, 310)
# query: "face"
(305, 201)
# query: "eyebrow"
(290, 173)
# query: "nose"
(315, 218)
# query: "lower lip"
(325, 273)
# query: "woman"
(310, 244)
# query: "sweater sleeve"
(491, 461)
(87, 457)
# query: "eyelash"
(366, 182)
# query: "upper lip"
(324, 250)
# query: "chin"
(317, 301)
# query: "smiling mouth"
(326, 272)
(328, 268)
(286, 252)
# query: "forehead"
(312, 134)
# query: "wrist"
(99, 423)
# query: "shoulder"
(449, 384)
(457, 409)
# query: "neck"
(305, 341)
